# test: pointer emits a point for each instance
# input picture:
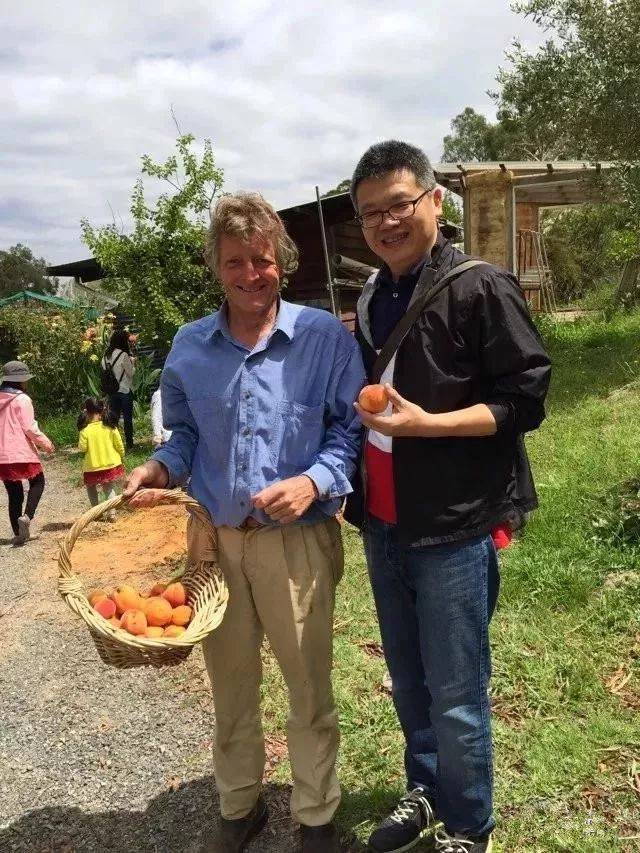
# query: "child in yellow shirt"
(103, 451)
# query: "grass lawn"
(566, 636)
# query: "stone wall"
(487, 218)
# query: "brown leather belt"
(250, 523)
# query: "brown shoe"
(233, 835)
(320, 839)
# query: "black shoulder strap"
(402, 328)
(113, 364)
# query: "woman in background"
(19, 438)
(118, 357)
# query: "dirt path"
(91, 758)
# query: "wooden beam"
(555, 177)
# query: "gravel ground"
(92, 758)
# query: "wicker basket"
(206, 589)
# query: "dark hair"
(94, 406)
(392, 156)
(119, 340)
(18, 385)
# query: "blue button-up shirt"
(244, 419)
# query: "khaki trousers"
(281, 583)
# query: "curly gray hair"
(248, 215)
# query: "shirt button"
(246, 431)
(247, 396)
(241, 503)
(242, 467)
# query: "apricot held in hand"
(158, 611)
(105, 607)
(181, 615)
(175, 594)
(374, 399)
(174, 631)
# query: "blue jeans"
(122, 404)
(434, 604)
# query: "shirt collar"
(285, 321)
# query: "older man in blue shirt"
(259, 397)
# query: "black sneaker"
(456, 843)
(410, 821)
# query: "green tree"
(21, 270)
(157, 270)
(579, 91)
(473, 139)
(451, 209)
(343, 187)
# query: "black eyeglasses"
(399, 210)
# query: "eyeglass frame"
(382, 213)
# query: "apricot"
(105, 607)
(134, 621)
(374, 399)
(158, 611)
(181, 615)
(174, 631)
(175, 594)
(154, 631)
(96, 595)
(126, 598)
(158, 588)
(115, 622)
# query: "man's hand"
(406, 419)
(151, 478)
(287, 500)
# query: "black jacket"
(474, 342)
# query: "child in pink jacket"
(19, 437)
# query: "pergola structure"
(502, 203)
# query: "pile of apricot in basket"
(161, 613)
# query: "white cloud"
(290, 94)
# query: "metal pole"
(326, 256)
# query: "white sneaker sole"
(24, 533)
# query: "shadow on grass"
(182, 819)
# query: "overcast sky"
(290, 93)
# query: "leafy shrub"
(587, 248)
(54, 347)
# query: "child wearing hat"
(20, 437)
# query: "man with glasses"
(467, 375)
